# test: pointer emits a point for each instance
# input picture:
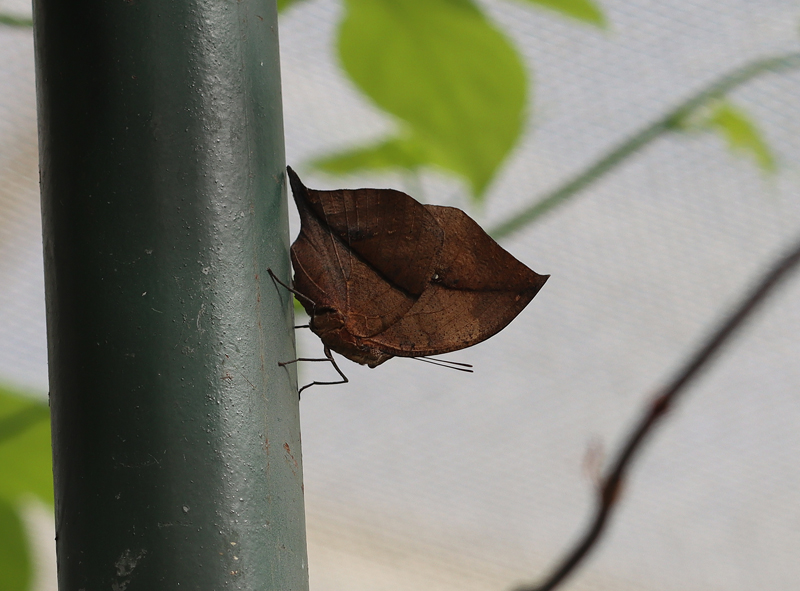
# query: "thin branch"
(645, 136)
(15, 21)
(610, 485)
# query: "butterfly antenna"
(465, 367)
(446, 361)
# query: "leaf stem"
(608, 491)
(645, 136)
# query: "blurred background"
(421, 478)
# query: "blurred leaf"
(451, 78)
(25, 453)
(389, 154)
(284, 4)
(582, 10)
(15, 21)
(15, 562)
(741, 134)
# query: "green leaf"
(284, 4)
(388, 154)
(453, 81)
(15, 562)
(15, 21)
(742, 135)
(582, 10)
(25, 453)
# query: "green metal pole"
(176, 440)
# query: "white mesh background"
(420, 478)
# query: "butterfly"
(382, 275)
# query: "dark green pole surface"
(176, 438)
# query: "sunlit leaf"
(15, 562)
(741, 134)
(25, 454)
(582, 10)
(453, 81)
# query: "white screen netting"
(420, 478)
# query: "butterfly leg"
(328, 357)
(297, 294)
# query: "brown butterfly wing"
(314, 251)
(367, 253)
(477, 288)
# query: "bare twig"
(657, 408)
(666, 124)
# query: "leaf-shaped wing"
(329, 275)
(477, 288)
(390, 276)
(390, 231)
(365, 253)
